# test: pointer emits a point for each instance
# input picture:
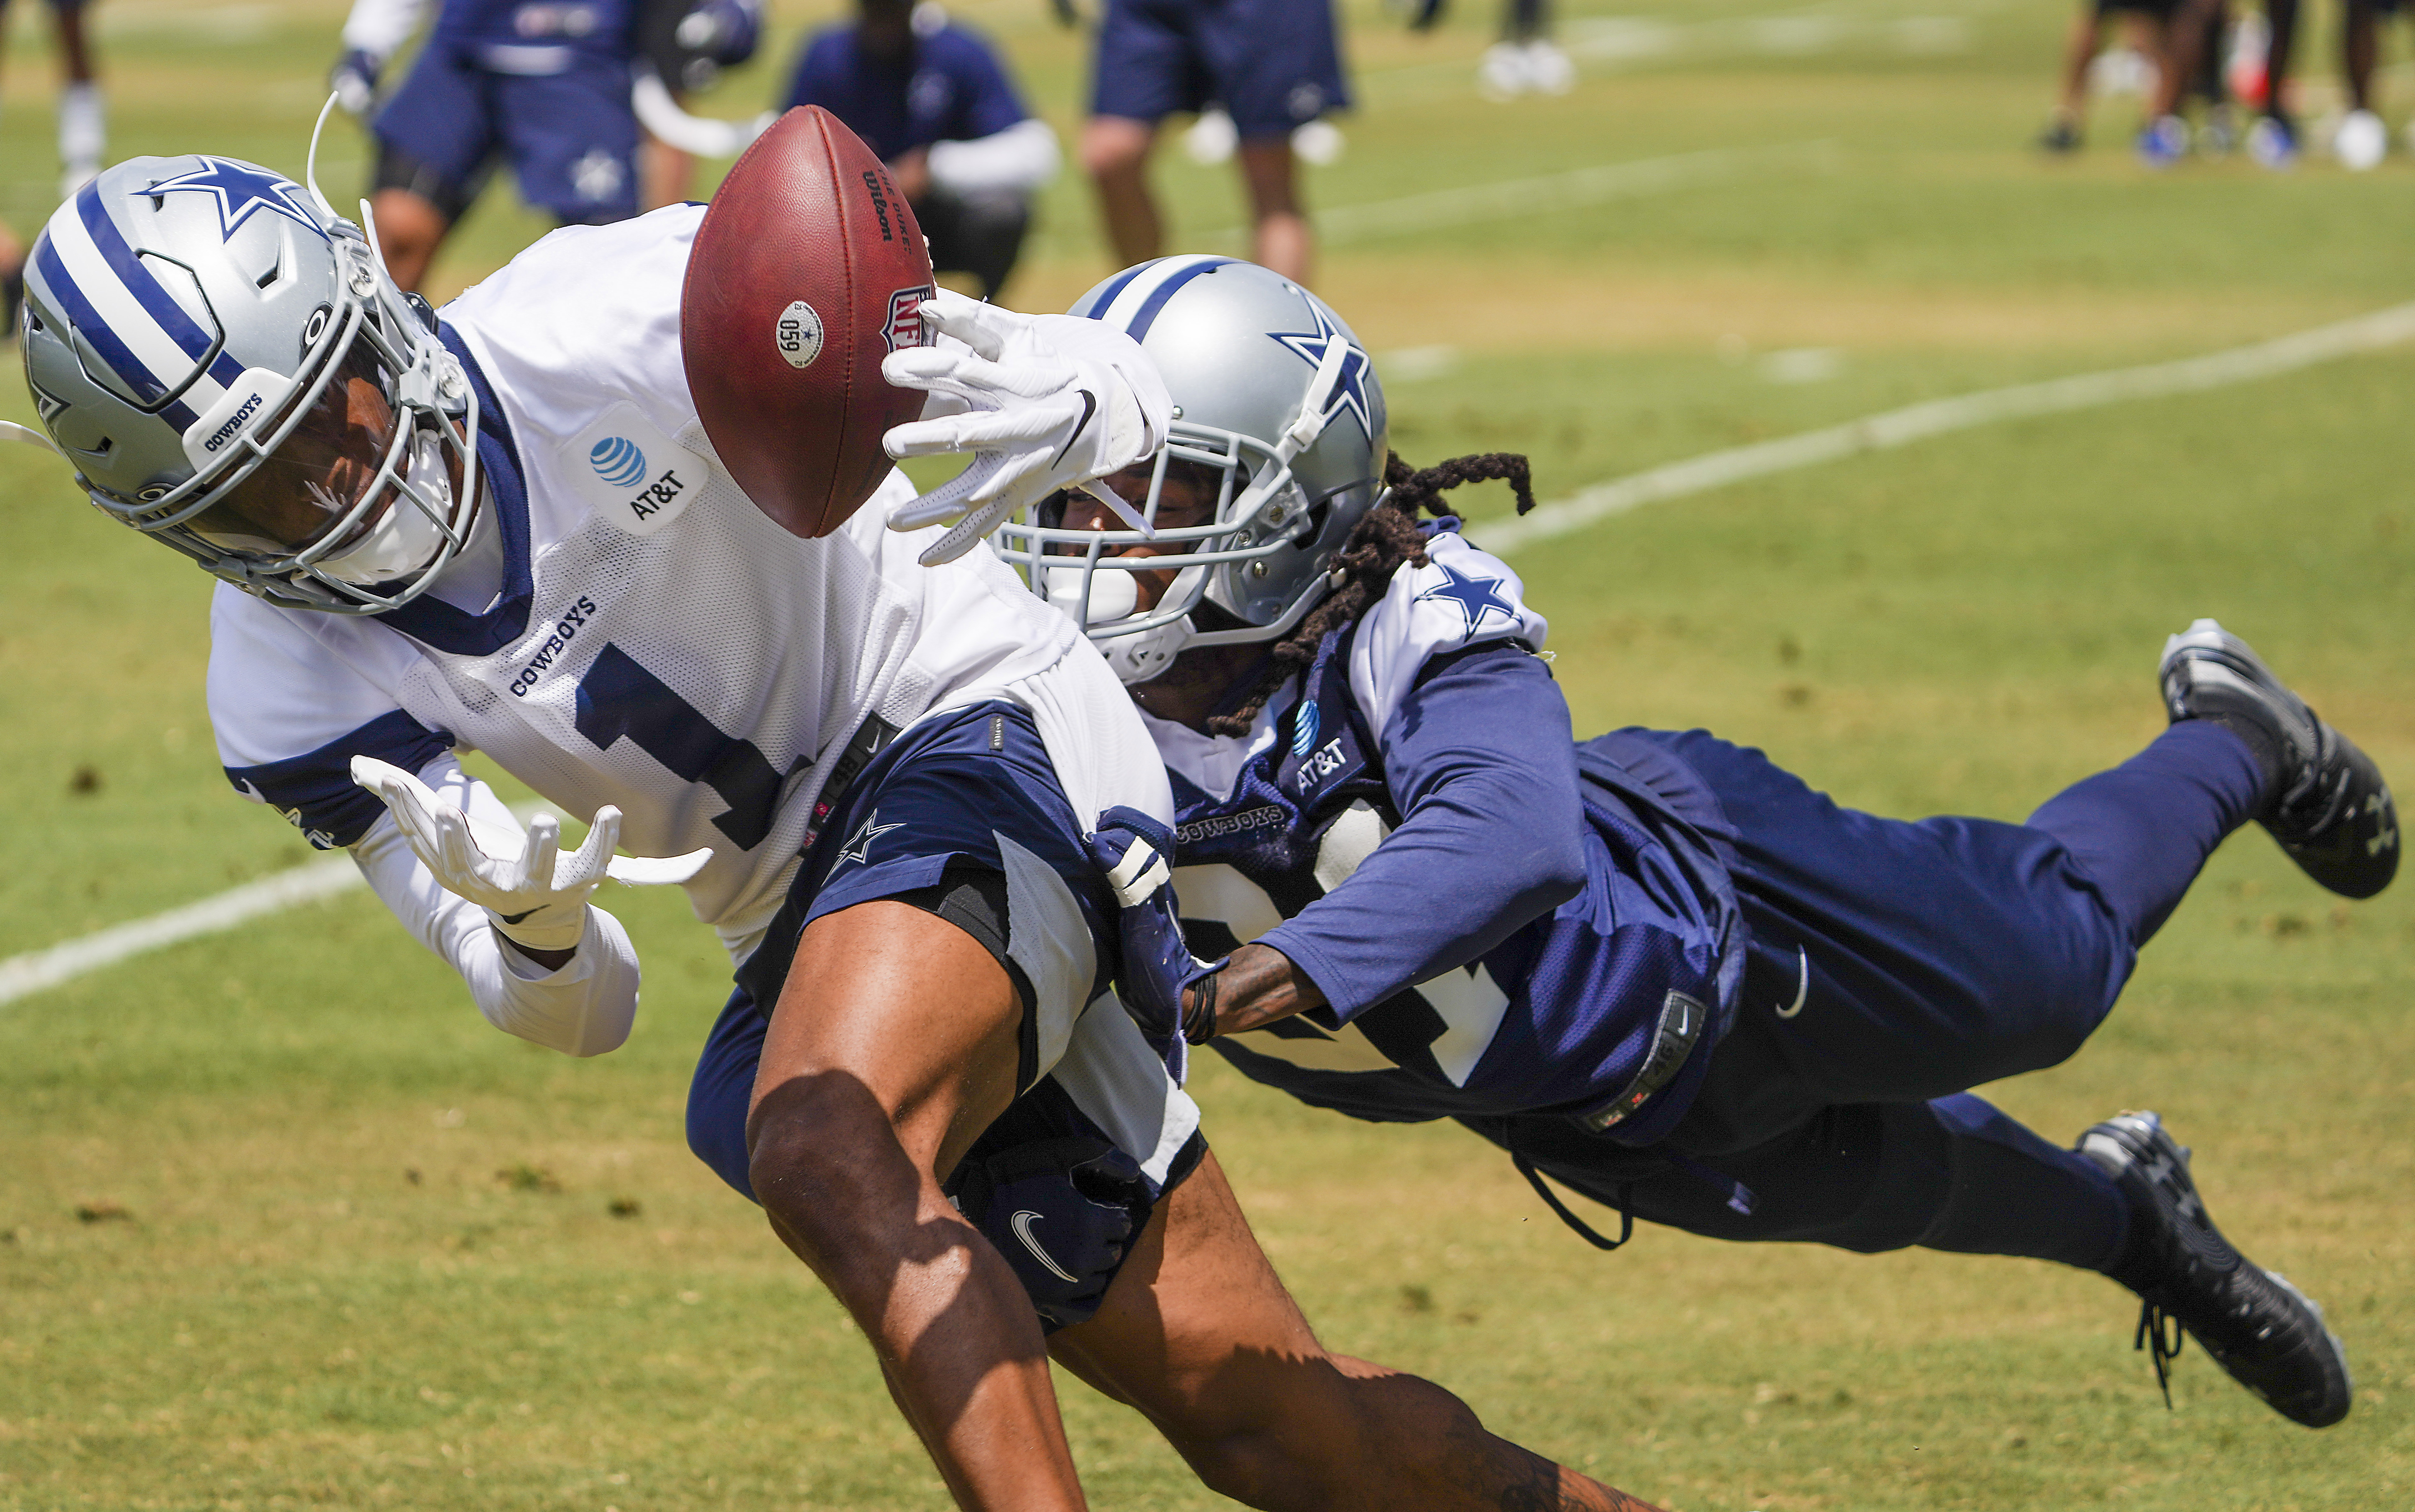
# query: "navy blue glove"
(1170, 993)
(354, 79)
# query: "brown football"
(807, 271)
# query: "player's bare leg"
(75, 45)
(2071, 107)
(1280, 233)
(1115, 153)
(665, 173)
(83, 124)
(410, 227)
(1198, 1334)
(2361, 49)
(892, 1047)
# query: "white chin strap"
(408, 537)
(1116, 596)
(1138, 658)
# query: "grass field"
(282, 1223)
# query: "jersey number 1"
(619, 697)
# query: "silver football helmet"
(230, 369)
(1277, 403)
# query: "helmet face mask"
(1279, 423)
(232, 370)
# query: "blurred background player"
(2362, 140)
(544, 85)
(684, 45)
(1525, 61)
(84, 126)
(12, 281)
(2143, 27)
(934, 99)
(1274, 64)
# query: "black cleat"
(2333, 812)
(2258, 1326)
(2060, 139)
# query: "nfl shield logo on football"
(905, 327)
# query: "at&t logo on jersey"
(1319, 764)
(1303, 730)
(617, 460)
(633, 475)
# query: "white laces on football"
(537, 895)
(1048, 403)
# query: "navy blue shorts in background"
(1274, 64)
(570, 138)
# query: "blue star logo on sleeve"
(1475, 596)
(242, 191)
(1351, 391)
(859, 845)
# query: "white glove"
(1048, 403)
(537, 896)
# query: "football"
(808, 270)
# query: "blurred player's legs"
(1274, 64)
(571, 139)
(2142, 30)
(1280, 236)
(83, 121)
(1115, 151)
(2272, 140)
(2362, 140)
(12, 281)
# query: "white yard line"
(1937, 417)
(22, 976)
(30, 973)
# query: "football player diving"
(874, 779)
(1652, 966)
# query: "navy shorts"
(963, 815)
(1274, 64)
(570, 138)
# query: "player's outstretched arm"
(1198, 1333)
(893, 1045)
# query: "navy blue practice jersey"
(1495, 931)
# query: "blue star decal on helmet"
(241, 192)
(1350, 393)
(1475, 596)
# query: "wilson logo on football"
(905, 327)
(618, 461)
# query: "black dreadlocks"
(1384, 538)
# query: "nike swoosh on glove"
(537, 897)
(1044, 402)
(1161, 978)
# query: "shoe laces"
(2160, 1334)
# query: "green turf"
(283, 1224)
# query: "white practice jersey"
(629, 629)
